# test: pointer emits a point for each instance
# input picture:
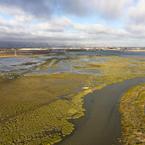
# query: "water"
(12, 64)
(67, 65)
(101, 124)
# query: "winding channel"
(101, 123)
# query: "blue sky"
(93, 22)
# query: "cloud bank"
(93, 22)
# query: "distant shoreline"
(10, 56)
(136, 50)
(26, 52)
(6, 56)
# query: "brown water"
(101, 124)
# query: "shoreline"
(11, 56)
(135, 51)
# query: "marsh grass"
(36, 108)
(133, 116)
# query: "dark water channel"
(101, 123)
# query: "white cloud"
(50, 20)
(46, 8)
(98, 29)
(135, 23)
(111, 8)
(137, 13)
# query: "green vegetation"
(37, 109)
(133, 116)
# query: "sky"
(71, 22)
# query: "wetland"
(71, 99)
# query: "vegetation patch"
(36, 109)
(133, 116)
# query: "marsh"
(48, 100)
